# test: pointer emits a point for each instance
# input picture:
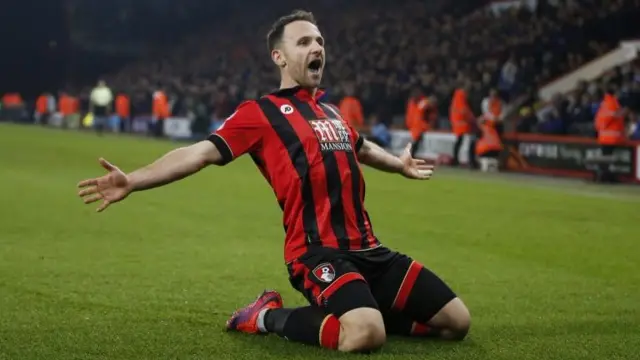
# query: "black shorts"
(379, 278)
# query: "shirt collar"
(299, 92)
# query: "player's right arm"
(241, 133)
(175, 165)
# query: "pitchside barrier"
(527, 153)
(567, 156)
(533, 153)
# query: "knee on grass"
(362, 330)
(454, 320)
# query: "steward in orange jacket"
(610, 125)
(489, 145)
(351, 109)
(462, 120)
(422, 114)
(609, 122)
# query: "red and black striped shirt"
(307, 153)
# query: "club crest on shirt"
(332, 135)
(325, 272)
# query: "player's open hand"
(415, 168)
(110, 188)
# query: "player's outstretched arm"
(373, 155)
(175, 165)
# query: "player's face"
(303, 51)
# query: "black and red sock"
(308, 325)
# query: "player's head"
(297, 48)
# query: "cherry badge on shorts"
(325, 272)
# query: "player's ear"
(278, 58)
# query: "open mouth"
(314, 66)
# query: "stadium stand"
(207, 62)
(572, 113)
(517, 50)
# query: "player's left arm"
(373, 155)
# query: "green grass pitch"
(547, 273)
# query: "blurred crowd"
(573, 113)
(381, 50)
(208, 56)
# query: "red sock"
(418, 329)
(330, 332)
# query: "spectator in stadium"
(380, 134)
(508, 77)
(493, 106)
(552, 123)
(634, 102)
(161, 110)
(101, 102)
(463, 124)
(200, 120)
(351, 108)
(13, 107)
(580, 114)
(123, 111)
(610, 125)
(634, 129)
(69, 111)
(421, 116)
(489, 145)
(45, 107)
(554, 117)
(493, 109)
(527, 120)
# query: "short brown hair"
(277, 29)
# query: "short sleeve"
(240, 133)
(358, 140)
